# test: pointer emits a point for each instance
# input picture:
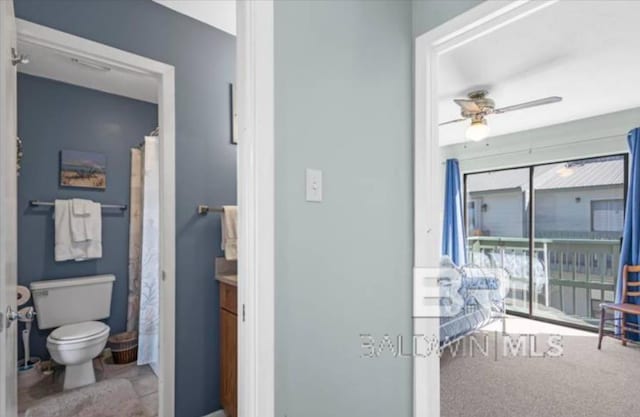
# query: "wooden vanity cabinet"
(229, 348)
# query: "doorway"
(538, 154)
(255, 121)
(71, 83)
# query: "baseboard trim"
(219, 413)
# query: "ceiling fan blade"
(467, 105)
(526, 105)
(452, 121)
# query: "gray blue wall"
(343, 96)
(428, 14)
(53, 116)
(204, 59)
(343, 267)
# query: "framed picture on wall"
(234, 114)
(81, 169)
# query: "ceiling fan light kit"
(478, 130)
(478, 105)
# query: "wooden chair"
(629, 289)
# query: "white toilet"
(72, 305)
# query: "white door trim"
(255, 83)
(97, 52)
(428, 168)
(8, 212)
(256, 199)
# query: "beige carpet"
(96, 400)
(583, 382)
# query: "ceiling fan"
(478, 106)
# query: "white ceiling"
(584, 51)
(220, 14)
(49, 63)
(53, 64)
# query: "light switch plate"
(314, 185)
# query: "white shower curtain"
(149, 321)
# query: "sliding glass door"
(498, 228)
(568, 265)
(579, 217)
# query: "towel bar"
(203, 209)
(36, 203)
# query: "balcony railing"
(571, 276)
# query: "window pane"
(607, 215)
(579, 216)
(498, 228)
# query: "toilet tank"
(72, 300)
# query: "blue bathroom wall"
(53, 116)
(204, 61)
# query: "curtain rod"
(530, 150)
(155, 132)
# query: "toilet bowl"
(75, 346)
(71, 306)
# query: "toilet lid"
(78, 330)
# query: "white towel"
(229, 219)
(66, 247)
(85, 220)
(81, 206)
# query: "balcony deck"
(571, 276)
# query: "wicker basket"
(124, 347)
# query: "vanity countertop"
(228, 279)
(226, 271)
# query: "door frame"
(8, 216)
(164, 74)
(256, 199)
(256, 203)
(429, 172)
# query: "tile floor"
(144, 382)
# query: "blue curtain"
(453, 233)
(630, 251)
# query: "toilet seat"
(78, 332)
(75, 346)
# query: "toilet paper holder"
(16, 315)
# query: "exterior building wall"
(560, 213)
(569, 210)
(501, 213)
